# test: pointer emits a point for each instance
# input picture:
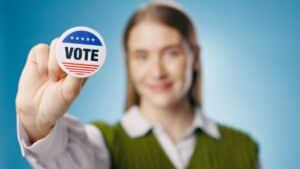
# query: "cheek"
(137, 73)
(181, 72)
(177, 69)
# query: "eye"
(172, 53)
(141, 57)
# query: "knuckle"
(37, 49)
(54, 41)
(40, 47)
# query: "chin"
(162, 100)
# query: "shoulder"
(108, 131)
(237, 137)
(106, 128)
(101, 125)
(229, 131)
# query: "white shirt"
(71, 144)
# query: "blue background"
(250, 60)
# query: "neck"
(174, 120)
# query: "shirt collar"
(136, 125)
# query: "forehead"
(149, 35)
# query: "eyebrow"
(175, 45)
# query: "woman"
(163, 126)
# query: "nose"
(158, 69)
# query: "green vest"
(234, 150)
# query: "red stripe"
(80, 72)
(80, 68)
(77, 64)
(86, 71)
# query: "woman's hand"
(45, 92)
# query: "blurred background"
(250, 59)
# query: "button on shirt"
(71, 144)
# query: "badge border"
(71, 30)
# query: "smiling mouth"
(160, 86)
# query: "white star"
(93, 39)
(72, 37)
(88, 39)
(82, 38)
(77, 38)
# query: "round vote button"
(80, 51)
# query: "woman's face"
(160, 64)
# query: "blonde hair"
(177, 19)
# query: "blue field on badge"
(83, 37)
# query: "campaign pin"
(80, 51)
